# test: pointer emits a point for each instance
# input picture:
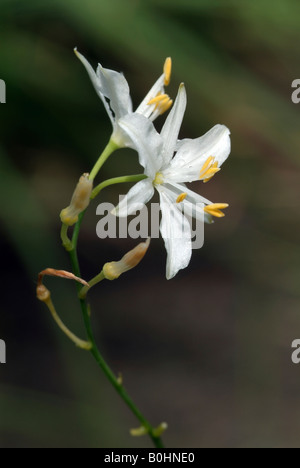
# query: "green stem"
(96, 280)
(110, 148)
(96, 353)
(78, 342)
(117, 180)
(66, 242)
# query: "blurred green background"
(210, 351)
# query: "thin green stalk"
(110, 148)
(96, 280)
(66, 242)
(96, 353)
(117, 180)
(78, 342)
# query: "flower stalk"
(110, 148)
(116, 180)
(96, 280)
(44, 295)
(115, 381)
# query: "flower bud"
(139, 431)
(113, 270)
(42, 293)
(158, 431)
(80, 201)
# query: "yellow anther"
(215, 165)
(206, 164)
(215, 209)
(162, 102)
(158, 98)
(209, 169)
(181, 197)
(158, 179)
(168, 70)
(165, 105)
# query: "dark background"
(210, 351)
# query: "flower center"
(158, 179)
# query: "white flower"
(195, 159)
(113, 90)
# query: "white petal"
(171, 128)
(139, 133)
(196, 210)
(158, 87)
(115, 88)
(194, 197)
(180, 143)
(176, 232)
(96, 82)
(135, 199)
(192, 154)
(193, 204)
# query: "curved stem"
(96, 280)
(117, 180)
(79, 343)
(96, 353)
(66, 242)
(110, 148)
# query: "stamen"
(206, 164)
(165, 105)
(162, 103)
(215, 209)
(168, 70)
(181, 197)
(209, 178)
(211, 171)
(160, 97)
(208, 169)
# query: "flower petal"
(135, 199)
(115, 88)
(139, 133)
(192, 154)
(194, 197)
(96, 82)
(176, 232)
(158, 87)
(193, 204)
(171, 128)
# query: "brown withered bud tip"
(60, 274)
(136, 255)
